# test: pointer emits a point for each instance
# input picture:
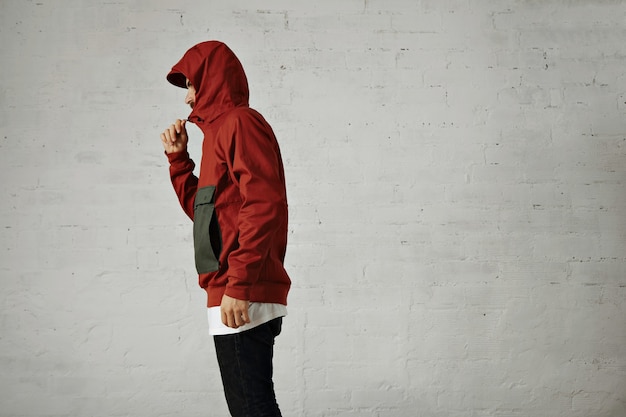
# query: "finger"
(239, 320)
(183, 131)
(241, 315)
(232, 321)
(170, 138)
(228, 318)
(180, 125)
(245, 317)
(172, 131)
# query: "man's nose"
(189, 98)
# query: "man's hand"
(175, 138)
(234, 312)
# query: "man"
(238, 205)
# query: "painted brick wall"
(456, 173)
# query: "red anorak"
(238, 203)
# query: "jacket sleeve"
(184, 181)
(255, 166)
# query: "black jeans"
(245, 361)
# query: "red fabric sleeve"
(255, 166)
(184, 181)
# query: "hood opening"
(178, 79)
(218, 77)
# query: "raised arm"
(185, 183)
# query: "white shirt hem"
(259, 313)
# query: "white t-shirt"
(259, 313)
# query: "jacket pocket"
(207, 239)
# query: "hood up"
(218, 77)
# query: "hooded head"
(217, 76)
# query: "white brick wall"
(456, 173)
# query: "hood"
(218, 77)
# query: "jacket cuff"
(179, 156)
(237, 290)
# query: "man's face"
(191, 94)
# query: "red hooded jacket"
(238, 203)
